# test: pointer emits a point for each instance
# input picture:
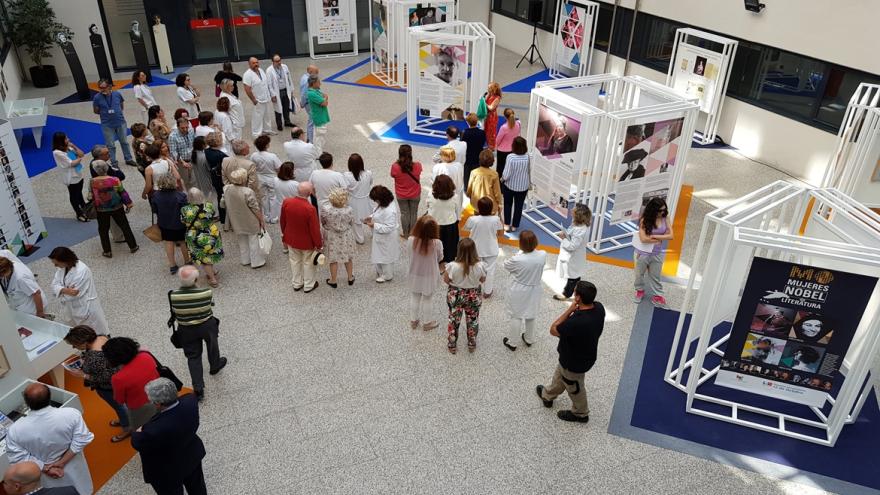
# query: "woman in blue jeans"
(515, 183)
(97, 372)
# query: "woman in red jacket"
(137, 368)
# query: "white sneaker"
(380, 280)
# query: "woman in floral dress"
(338, 222)
(202, 234)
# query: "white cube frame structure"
(313, 13)
(782, 221)
(560, 63)
(708, 85)
(854, 169)
(391, 69)
(480, 43)
(606, 104)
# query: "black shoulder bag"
(176, 337)
(166, 372)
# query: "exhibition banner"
(442, 79)
(696, 74)
(21, 224)
(556, 144)
(334, 22)
(792, 330)
(650, 151)
(575, 30)
(379, 32)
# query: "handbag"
(153, 232)
(265, 241)
(217, 91)
(166, 372)
(176, 337)
(89, 211)
(482, 108)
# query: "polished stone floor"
(332, 392)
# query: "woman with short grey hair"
(244, 217)
(202, 233)
(168, 201)
(111, 201)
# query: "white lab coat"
(44, 435)
(83, 308)
(21, 289)
(572, 261)
(236, 114)
(386, 243)
(274, 89)
(525, 294)
(359, 194)
(286, 83)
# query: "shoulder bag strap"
(173, 318)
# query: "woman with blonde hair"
(337, 219)
(450, 165)
(490, 125)
(244, 217)
(464, 276)
(426, 264)
(202, 233)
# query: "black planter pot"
(44, 77)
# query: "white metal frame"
(858, 147)
(591, 10)
(480, 44)
(312, 9)
(769, 223)
(621, 101)
(393, 71)
(690, 38)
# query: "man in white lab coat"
(282, 86)
(303, 155)
(256, 86)
(54, 439)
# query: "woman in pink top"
(407, 187)
(504, 141)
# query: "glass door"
(247, 28)
(207, 25)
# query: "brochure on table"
(21, 224)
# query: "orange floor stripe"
(117, 84)
(673, 250)
(371, 80)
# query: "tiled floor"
(331, 392)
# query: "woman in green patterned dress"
(202, 234)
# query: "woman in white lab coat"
(524, 297)
(235, 110)
(360, 182)
(385, 222)
(75, 289)
(21, 288)
(571, 264)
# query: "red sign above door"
(247, 21)
(211, 23)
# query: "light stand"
(532, 50)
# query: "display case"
(30, 114)
(42, 342)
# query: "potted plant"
(32, 26)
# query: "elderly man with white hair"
(169, 444)
(239, 160)
(192, 308)
(301, 233)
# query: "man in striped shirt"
(191, 307)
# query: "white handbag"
(265, 241)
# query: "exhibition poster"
(792, 330)
(334, 22)
(556, 144)
(696, 75)
(442, 78)
(424, 16)
(21, 224)
(379, 32)
(574, 31)
(650, 151)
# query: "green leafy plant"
(32, 26)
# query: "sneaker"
(131, 162)
(659, 302)
(380, 280)
(638, 297)
(570, 417)
(506, 343)
(218, 368)
(560, 297)
(540, 390)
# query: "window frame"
(551, 27)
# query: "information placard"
(21, 224)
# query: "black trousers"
(118, 215)
(568, 291)
(513, 206)
(285, 111)
(449, 237)
(194, 484)
(500, 162)
(75, 194)
(193, 337)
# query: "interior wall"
(474, 10)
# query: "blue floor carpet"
(660, 408)
(527, 84)
(83, 134)
(62, 232)
(159, 79)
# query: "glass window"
(118, 15)
(603, 26)
(519, 9)
(653, 41)
(839, 88)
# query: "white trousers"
(359, 234)
(249, 248)
(385, 270)
(489, 284)
(320, 138)
(262, 119)
(419, 307)
(301, 267)
(270, 206)
(514, 336)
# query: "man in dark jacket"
(171, 451)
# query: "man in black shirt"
(578, 329)
(476, 141)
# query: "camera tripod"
(532, 50)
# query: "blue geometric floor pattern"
(660, 408)
(63, 232)
(83, 134)
(527, 84)
(398, 131)
(159, 79)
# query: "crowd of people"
(202, 179)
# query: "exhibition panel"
(611, 142)
(854, 168)
(575, 36)
(786, 305)
(456, 62)
(390, 21)
(700, 68)
(21, 224)
(332, 22)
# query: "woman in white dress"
(142, 93)
(68, 157)
(285, 186)
(360, 182)
(267, 164)
(224, 122)
(385, 222)
(524, 296)
(571, 264)
(187, 94)
(75, 289)
(235, 110)
(484, 229)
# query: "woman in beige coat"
(244, 217)
(484, 182)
